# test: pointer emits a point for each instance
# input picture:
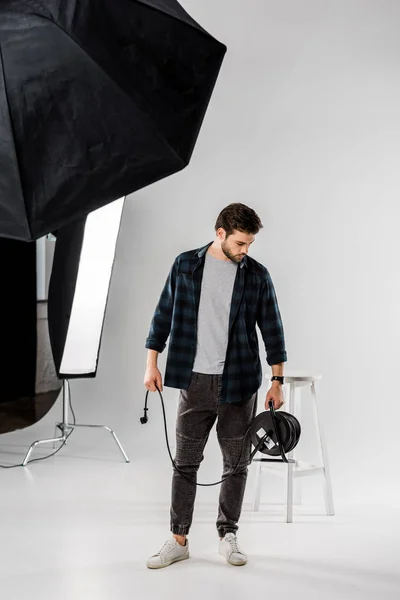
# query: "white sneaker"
(229, 548)
(171, 552)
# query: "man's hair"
(239, 217)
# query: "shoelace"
(233, 544)
(165, 548)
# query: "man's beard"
(228, 254)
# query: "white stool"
(298, 468)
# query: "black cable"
(58, 449)
(144, 420)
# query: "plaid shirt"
(253, 301)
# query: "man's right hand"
(152, 377)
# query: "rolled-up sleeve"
(270, 323)
(160, 326)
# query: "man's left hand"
(276, 395)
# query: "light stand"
(67, 428)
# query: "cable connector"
(144, 419)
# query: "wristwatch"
(277, 378)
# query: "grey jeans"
(198, 408)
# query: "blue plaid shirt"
(253, 301)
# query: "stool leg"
(327, 475)
(296, 411)
(289, 483)
(289, 503)
(257, 487)
(297, 414)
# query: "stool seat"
(291, 376)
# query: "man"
(210, 304)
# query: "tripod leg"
(112, 433)
(118, 443)
(57, 428)
(33, 446)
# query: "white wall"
(304, 127)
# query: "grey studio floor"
(77, 526)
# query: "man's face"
(237, 245)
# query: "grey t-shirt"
(213, 317)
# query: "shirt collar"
(200, 253)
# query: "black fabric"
(23, 400)
(62, 285)
(18, 320)
(98, 98)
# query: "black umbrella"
(98, 98)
